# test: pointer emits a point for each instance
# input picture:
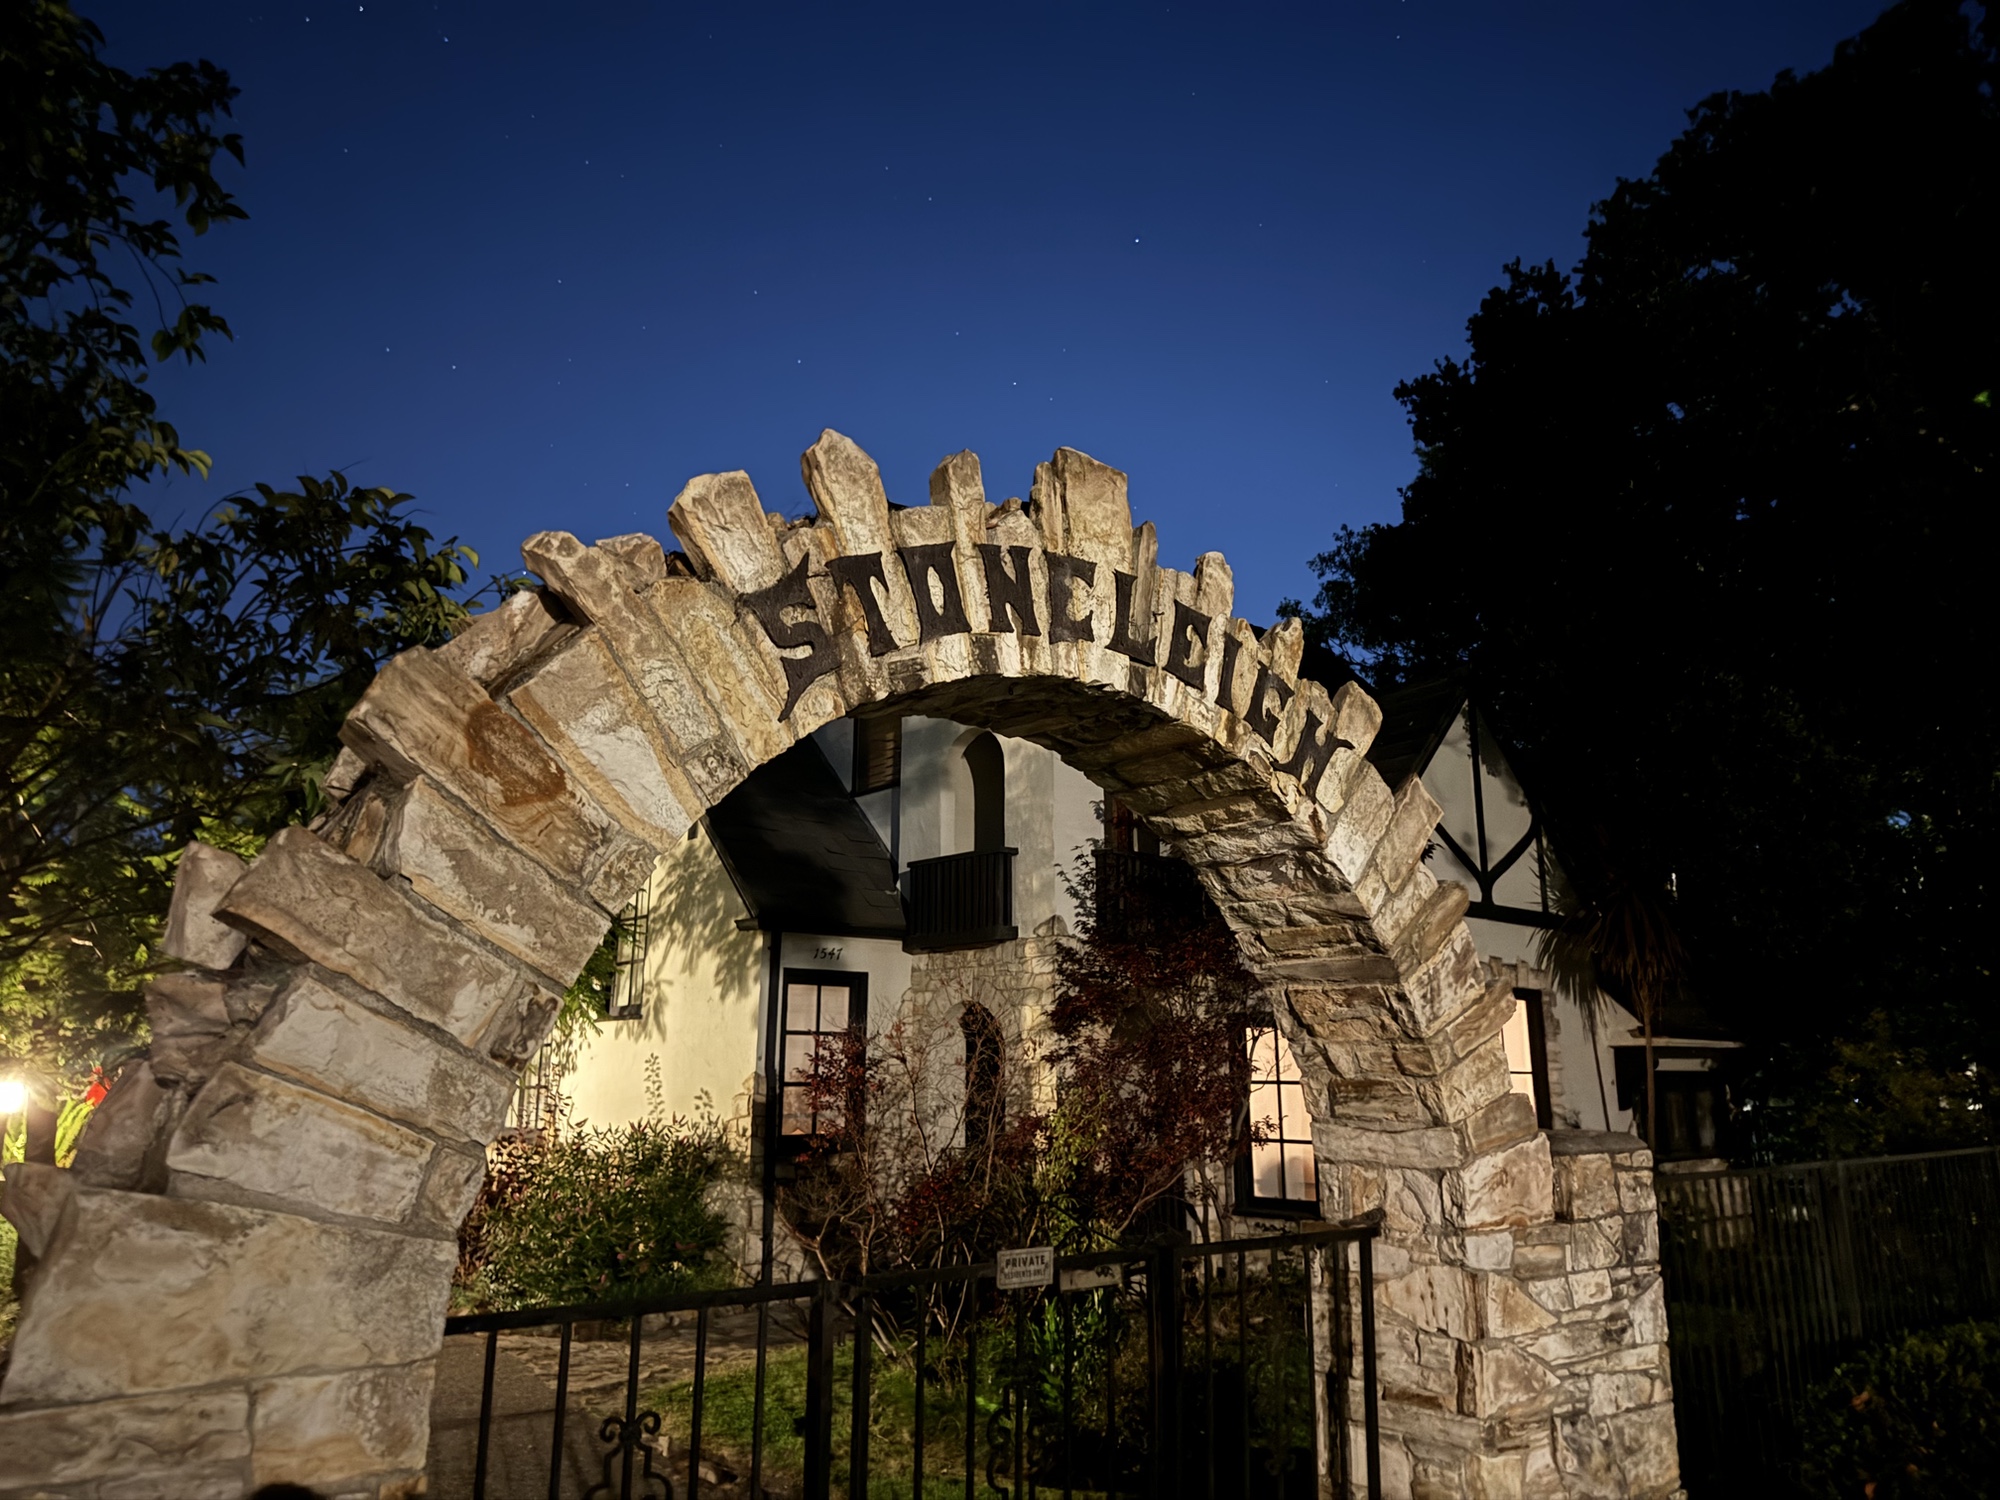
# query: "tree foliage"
(1699, 521)
(157, 682)
(940, 1143)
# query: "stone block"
(1082, 509)
(499, 642)
(342, 1046)
(1507, 1119)
(1643, 1443)
(1503, 1188)
(142, 1294)
(608, 731)
(1426, 1149)
(1642, 1239)
(1412, 819)
(1635, 1192)
(163, 1438)
(461, 868)
(1359, 825)
(740, 673)
(720, 522)
(1435, 1298)
(1505, 1381)
(1584, 1187)
(318, 1429)
(119, 1140)
(202, 876)
(250, 1137)
(1506, 1311)
(33, 1198)
(191, 1025)
(1493, 1251)
(423, 717)
(315, 903)
(1649, 1314)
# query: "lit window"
(1527, 1053)
(1276, 1171)
(820, 1010)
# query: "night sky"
(538, 264)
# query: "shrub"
(601, 1215)
(1918, 1416)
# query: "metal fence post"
(1163, 1278)
(864, 1350)
(1371, 1415)
(819, 1395)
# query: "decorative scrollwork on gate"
(632, 1440)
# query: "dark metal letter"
(1063, 571)
(1225, 684)
(1312, 754)
(769, 606)
(1140, 649)
(1191, 628)
(855, 573)
(920, 563)
(1004, 593)
(1260, 716)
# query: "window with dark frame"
(1275, 1170)
(627, 1000)
(878, 754)
(1526, 1039)
(821, 1007)
(982, 1076)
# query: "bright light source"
(13, 1096)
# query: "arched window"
(983, 1104)
(986, 770)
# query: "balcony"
(960, 901)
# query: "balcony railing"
(960, 901)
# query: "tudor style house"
(886, 865)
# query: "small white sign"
(1021, 1269)
(1090, 1278)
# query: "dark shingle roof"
(1415, 720)
(804, 857)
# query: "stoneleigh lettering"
(940, 608)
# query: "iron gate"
(1177, 1369)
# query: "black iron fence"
(1773, 1274)
(1226, 1370)
(960, 900)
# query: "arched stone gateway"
(244, 1278)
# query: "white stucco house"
(886, 864)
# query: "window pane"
(833, 1007)
(798, 1114)
(801, 1007)
(798, 1057)
(1515, 1033)
(1267, 1171)
(1264, 1108)
(1288, 1067)
(1263, 1052)
(1300, 1181)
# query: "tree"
(1699, 520)
(157, 683)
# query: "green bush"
(1916, 1417)
(600, 1215)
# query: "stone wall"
(248, 1281)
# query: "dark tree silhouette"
(1700, 521)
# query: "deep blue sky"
(538, 264)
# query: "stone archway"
(244, 1280)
